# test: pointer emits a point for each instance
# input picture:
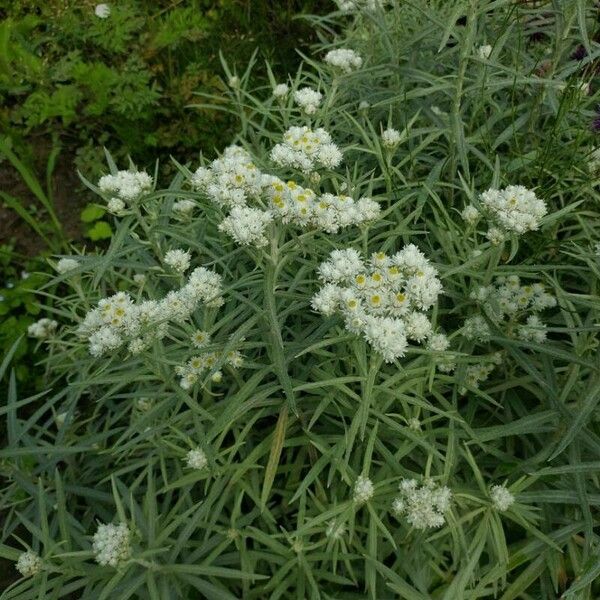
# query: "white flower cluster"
(507, 299)
(197, 365)
(514, 209)
(281, 90)
(295, 204)
(390, 138)
(233, 180)
(308, 99)
(183, 209)
(124, 188)
(384, 300)
(29, 563)
(502, 499)
(196, 459)
(42, 329)
(344, 59)
(305, 149)
(423, 506)
(363, 489)
(476, 328)
(350, 6)
(112, 544)
(477, 373)
(247, 225)
(119, 319)
(484, 52)
(178, 260)
(64, 265)
(229, 180)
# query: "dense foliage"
(356, 354)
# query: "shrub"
(354, 355)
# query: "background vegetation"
(72, 83)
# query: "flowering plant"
(301, 370)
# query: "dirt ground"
(68, 195)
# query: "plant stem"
(275, 346)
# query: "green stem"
(275, 347)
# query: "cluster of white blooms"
(390, 138)
(119, 319)
(233, 180)
(281, 90)
(102, 11)
(305, 149)
(363, 489)
(514, 209)
(196, 459)
(124, 188)
(308, 99)
(533, 330)
(42, 329)
(502, 499)
(344, 59)
(229, 180)
(178, 260)
(183, 209)
(423, 506)
(476, 374)
(476, 328)
(247, 225)
(200, 338)
(64, 265)
(484, 52)
(507, 299)
(295, 204)
(29, 564)
(197, 365)
(384, 299)
(112, 544)
(350, 6)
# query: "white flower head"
(390, 138)
(196, 459)
(308, 99)
(344, 59)
(247, 226)
(422, 506)
(29, 563)
(384, 301)
(178, 260)
(484, 52)
(112, 544)
(42, 329)
(363, 489)
(183, 209)
(502, 498)
(281, 90)
(64, 265)
(102, 11)
(514, 209)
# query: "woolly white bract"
(384, 300)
